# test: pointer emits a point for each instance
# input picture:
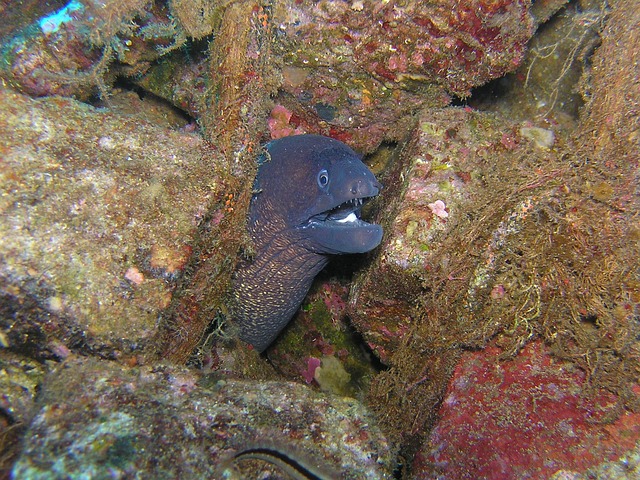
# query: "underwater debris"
(234, 122)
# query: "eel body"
(306, 207)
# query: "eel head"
(316, 186)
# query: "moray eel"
(306, 207)
(297, 466)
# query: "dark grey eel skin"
(306, 207)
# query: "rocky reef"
(493, 334)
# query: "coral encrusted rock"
(524, 418)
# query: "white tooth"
(349, 218)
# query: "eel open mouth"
(340, 230)
(346, 214)
(333, 224)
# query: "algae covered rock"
(352, 70)
(507, 233)
(524, 418)
(168, 422)
(99, 212)
(361, 67)
(493, 235)
(461, 188)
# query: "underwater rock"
(523, 418)
(456, 193)
(627, 467)
(457, 196)
(548, 85)
(99, 214)
(180, 78)
(373, 63)
(98, 417)
(351, 70)
(355, 71)
(452, 179)
(490, 236)
(527, 243)
(70, 51)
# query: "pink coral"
(439, 209)
(279, 125)
(309, 374)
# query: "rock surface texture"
(98, 417)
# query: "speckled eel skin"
(309, 191)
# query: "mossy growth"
(321, 330)
(332, 376)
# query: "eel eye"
(323, 178)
